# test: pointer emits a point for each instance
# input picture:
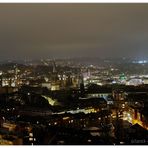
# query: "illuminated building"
(4, 90)
(75, 81)
(47, 85)
(135, 82)
(1, 79)
(11, 138)
(55, 86)
(122, 78)
(145, 80)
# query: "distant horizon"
(75, 58)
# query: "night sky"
(73, 30)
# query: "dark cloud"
(70, 30)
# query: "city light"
(73, 74)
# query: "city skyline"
(73, 30)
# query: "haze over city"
(73, 30)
